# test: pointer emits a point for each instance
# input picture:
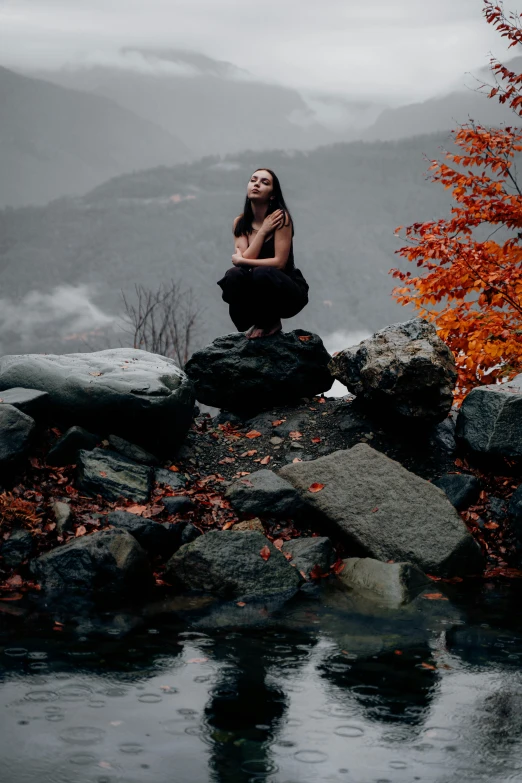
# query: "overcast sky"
(400, 49)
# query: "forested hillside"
(346, 201)
(56, 140)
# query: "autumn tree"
(470, 282)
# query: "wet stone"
(65, 450)
(112, 476)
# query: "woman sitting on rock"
(263, 286)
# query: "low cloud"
(44, 321)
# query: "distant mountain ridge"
(150, 226)
(56, 141)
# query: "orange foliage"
(471, 283)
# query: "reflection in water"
(330, 688)
(246, 710)
(394, 687)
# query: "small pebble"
(276, 441)
(296, 446)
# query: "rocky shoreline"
(380, 492)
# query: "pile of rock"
(397, 527)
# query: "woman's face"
(260, 186)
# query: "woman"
(263, 286)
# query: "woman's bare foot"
(254, 332)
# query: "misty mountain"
(56, 141)
(445, 112)
(215, 107)
(147, 227)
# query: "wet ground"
(328, 687)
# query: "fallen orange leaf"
(435, 597)
(428, 666)
(491, 525)
(253, 434)
(305, 337)
(241, 603)
(398, 652)
(296, 435)
(278, 543)
(316, 440)
(80, 531)
(174, 469)
(297, 459)
(265, 460)
(277, 422)
(135, 509)
(265, 553)
(229, 524)
(316, 487)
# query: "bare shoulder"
(287, 224)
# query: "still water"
(329, 687)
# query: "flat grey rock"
(112, 476)
(238, 374)
(16, 430)
(405, 367)
(490, 419)
(264, 493)
(387, 512)
(229, 564)
(108, 564)
(137, 395)
(396, 583)
(30, 401)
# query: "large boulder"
(264, 492)
(109, 564)
(16, 429)
(236, 373)
(490, 419)
(386, 512)
(405, 367)
(230, 564)
(137, 395)
(112, 476)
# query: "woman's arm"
(240, 243)
(282, 242)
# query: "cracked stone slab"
(385, 511)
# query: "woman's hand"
(237, 258)
(272, 222)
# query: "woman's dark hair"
(277, 201)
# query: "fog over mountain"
(151, 226)
(56, 141)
